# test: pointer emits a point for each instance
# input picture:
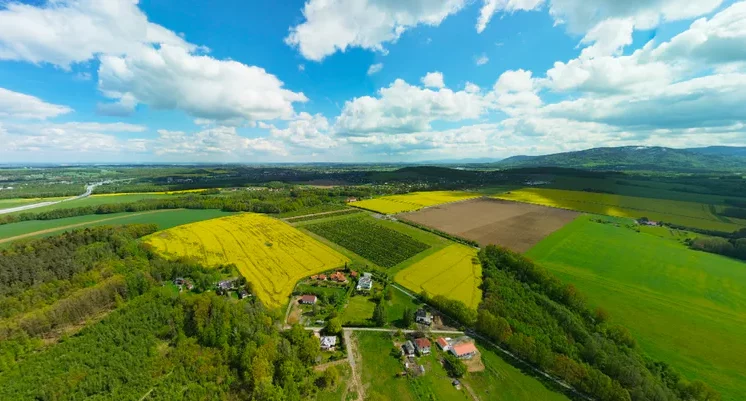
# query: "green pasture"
(684, 307)
(163, 218)
(500, 381)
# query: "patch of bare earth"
(474, 364)
(516, 226)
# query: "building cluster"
(337, 277)
(462, 348)
(183, 283)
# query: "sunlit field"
(271, 254)
(689, 214)
(454, 272)
(684, 307)
(414, 201)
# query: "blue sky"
(365, 80)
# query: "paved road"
(87, 193)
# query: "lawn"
(501, 381)
(271, 254)
(689, 214)
(451, 272)
(162, 218)
(684, 307)
(395, 307)
(364, 236)
(359, 311)
(413, 201)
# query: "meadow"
(93, 200)
(498, 382)
(162, 218)
(688, 214)
(271, 254)
(454, 272)
(684, 307)
(413, 201)
(366, 237)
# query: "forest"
(151, 339)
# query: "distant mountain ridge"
(714, 158)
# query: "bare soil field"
(516, 226)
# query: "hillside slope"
(638, 158)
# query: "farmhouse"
(423, 346)
(423, 317)
(365, 283)
(338, 277)
(351, 199)
(408, 348)
(328, 343)
(308, 299)
(464, 350)
(444, 343)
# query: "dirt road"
(356, 383)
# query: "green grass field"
(359, 309)
(689, 214)
(163, 218)
(93, 200)
(395, 307)
(16, 202)
(336, 393)
(450, 272)
(499, 382)
(684, 307)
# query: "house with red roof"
(464, 350)
(308, 299)
(422, 345)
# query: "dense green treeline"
(548, 324)
(199, 346)
(168, 345)
(734, 247)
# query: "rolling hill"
(719, 158)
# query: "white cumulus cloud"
(172, 78)
(336, 25)
(375, 68)
(20, 105)
(433, 80)
(64, 32)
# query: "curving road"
(88, 191)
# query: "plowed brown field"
(517, 226)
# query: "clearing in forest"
(688, 214)
(368, 238)
(684, 307)
(454, 272)
(514, 225)
(413, 201)
(271, 254)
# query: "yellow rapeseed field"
(271, 254)
(454, 272)
(689, 214)
(413, 201)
